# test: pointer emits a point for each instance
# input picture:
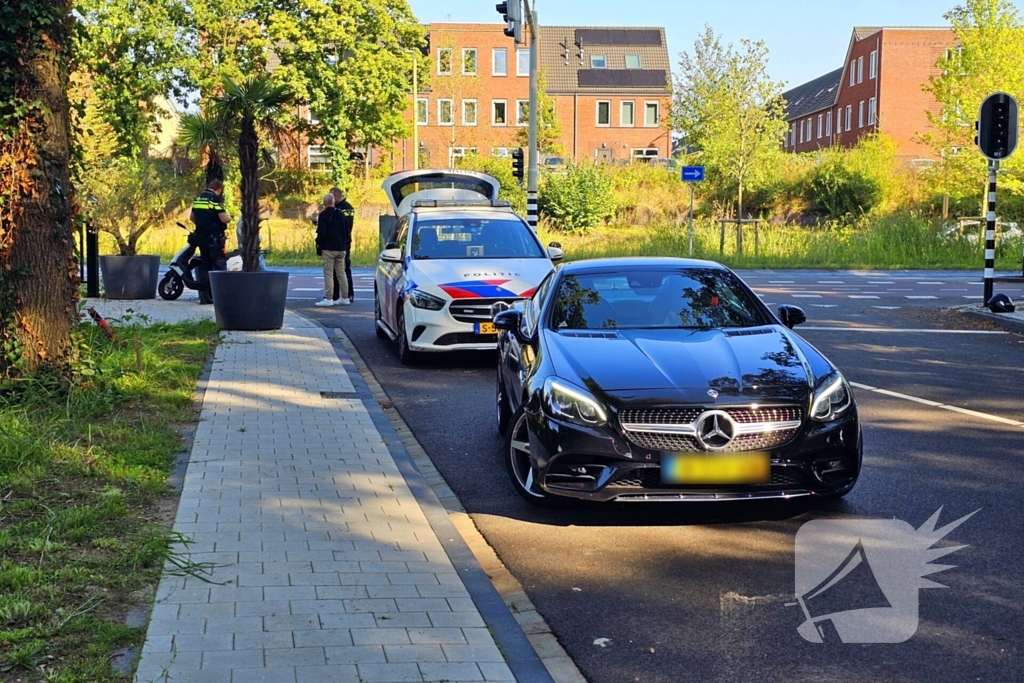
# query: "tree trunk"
(38, 278)
(739, 222)
(248, 150)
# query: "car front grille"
(674, 429)
(475, 310)
(454, 338)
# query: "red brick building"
(611, 88)
(880, 87)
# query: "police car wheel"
(377, 323)
(406, 356)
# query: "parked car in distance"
(667, 380)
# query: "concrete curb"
(559, 666)
(1003, 320)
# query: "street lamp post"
(415, 115)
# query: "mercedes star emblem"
(712, 393)
(715, 430)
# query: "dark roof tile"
(813, 95)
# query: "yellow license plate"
(734, 468)
(485, 328)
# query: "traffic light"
(517, 164)
(997, 127)
(512, 12)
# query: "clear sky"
(806, 38)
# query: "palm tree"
(253, 106)
(205, 135)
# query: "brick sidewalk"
(326, 567)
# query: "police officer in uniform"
(211, 220)
(348, 215)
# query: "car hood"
(479, 278)
(765, 363)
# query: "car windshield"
(474, 238)
(691, 298)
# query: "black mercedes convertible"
(667, 380)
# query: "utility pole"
(415, 115)
(531, 174)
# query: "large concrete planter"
(130, 277)
(249, 301)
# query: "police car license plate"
(484, 328)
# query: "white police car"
(456, 250)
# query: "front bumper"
(600, 464)
(439, 332)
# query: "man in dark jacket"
(330, 243)
(348, 214)
(211, 221)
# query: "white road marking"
(881, 282)
(943, 406)
(862, 296)
(782, 282)
(831, 282)
(806, 296)
(899, 290)
(918, 296)
(899, 329)
(888, 308)
(824, 305)
(307, 289)
(931, 283)
(973, 296)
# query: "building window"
(871, 112)
(500, 152)
(627, 114)
(839, 120)
(311, 117)
(849, 117)
(651, 114)
(469, 61)
(810, 129)
(801, 126)
(499, 62)
(643, 154)
(873, 64)
(598, 62)
(469, 112)
(455, 153)
(828, 124)
(499, 113)
(860, 69)
(444, 61)
(522, 62)
(860, 114)
(522, 112)
(317, 159)
(444, 113)
(821, 125)
(792, 136)
(604, 113)
(422, 113)
(632, 61)
(853, 73)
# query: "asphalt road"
(663, 592)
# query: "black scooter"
(184, 270)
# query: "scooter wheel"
(171, 287)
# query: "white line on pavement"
(973, 296)
(943, 406)
(887, 308)
(899, 329)
(881, 282)
(782, 282)
(306, 289)
(931, 283)
(862, 296)
(806, 296)
(824, 305)
(918, 296)
(831, 282)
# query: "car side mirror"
(391, 245)
(555, 253)
(510, 321)
(391, 255)
(791, 316)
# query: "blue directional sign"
(693, 174)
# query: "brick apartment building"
(611, 88)
(880, 87)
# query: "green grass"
(82, 482)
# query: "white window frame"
(839, 120)
(860, 69)
(800, 125)
(853, 72)
(828, 124)
(597, 114)
(309, 116)
(872, 113)
(873, 65)
(501, 152)
(849, 117)
(451, 59)
(459, 153)
(643, 153)
(526, 121)
(604, 61)
(426, 111)
(810, 129)
(476, 61)
(657, 113)
(792, 135)
(320, 154)
(451, 111)
(494, 117)
(821, 125)
(622, 113)
(860, 114)
(494, 61)
(639, 62)
(476, 112)
(522, 62)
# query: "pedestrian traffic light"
(517, 164)
(997, 126)
(512, 13)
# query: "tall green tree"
(731, 111)
(38, 287)
(988, 57)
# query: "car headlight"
(427, 301)
(832, 398)
(572, 404)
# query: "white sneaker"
(343, 302)
(324, 302)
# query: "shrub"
(578, 199)
(501, 169)
(857, 181)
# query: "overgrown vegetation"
(577, 199)
(82, 483)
